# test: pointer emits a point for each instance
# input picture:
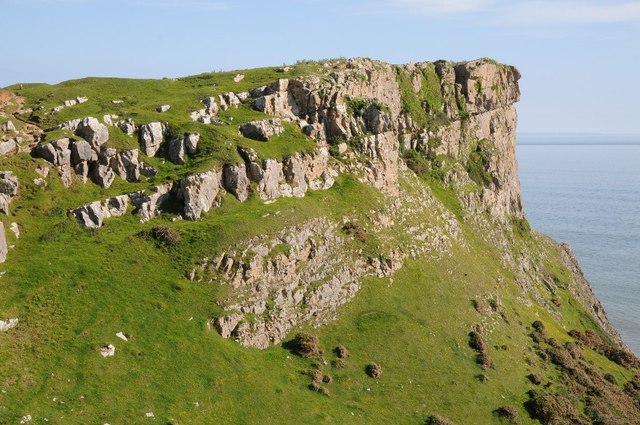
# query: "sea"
(584, 189)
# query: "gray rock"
(4, 249)
(128, 126)
(8, 183)
(176, 151)
(231, 99)
(163, 108)
(262, 130)
(102, 174)
(93, 132)
(235, 181)
(81, 151)
(93, 215)
(15, 229)
(82, 99)
(151, 136)
(8, 147)
(191, 143)
(199, 193)
(8, 126)
(71, 102)
(148, 204)
(6, 325)
(45, 151)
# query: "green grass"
(74, 289)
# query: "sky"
(579, 59)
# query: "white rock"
(5, 325)
(108, 350)
(15, 229)
(122, 336)
(116, 102)
(81, 99)
(149, 415)
(238, 78)
(71, 102)
(163, 108)
(26, 419)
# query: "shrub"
(476, 340)
(339, 363)
(438, 420)
(484, 361)
(373, 370)
(165, 236)
(508, 413)
(354, 229)
(305, 345)
(535, 379)
(342, 352)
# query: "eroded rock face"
(147, 203)
(200, 193)
(93, 215)
(8, 190)
(94, 132)
(151, 137)
(4, 249)
(262, 130)
(235, 181)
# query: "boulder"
(8, 147)
(4, 249)
(199, 193)
(102, 174)
(15, 229)
(151, 136)
(93, 132)
(45, 151)
(262, 130)
(148, 205)
(128, 126)
(92, 215)
(82, 99)
(191, 143)
(108, 351)
(8, 324)
(7, 126)
(238, 78)
(235, 181)
(8, 184)
(176, 151)
(231, 99)
(71, 102)
(81, 151)
(163, 108)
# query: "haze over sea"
(585, 189)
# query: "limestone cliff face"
(369, 103)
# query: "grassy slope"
(73, 289)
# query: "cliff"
(347, 202)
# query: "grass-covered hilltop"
(330, 242)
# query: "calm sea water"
(589, 196)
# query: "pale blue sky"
(579, 59)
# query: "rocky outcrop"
(8, 190)
(262, 130)
(179, 146)
(148, 203)
(94, 132)
(93, 215)
(100, 164)
(151, 137)
(200, 192)
(4, 248)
